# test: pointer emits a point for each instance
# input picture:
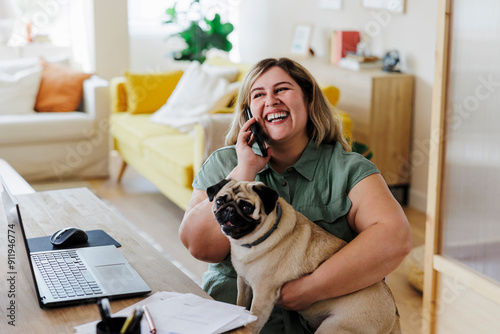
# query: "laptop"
(70, 276)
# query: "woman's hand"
(295, 295)
(249, 163)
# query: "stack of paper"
(180, 313)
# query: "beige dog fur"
(296, 248)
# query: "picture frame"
(393, 6)
(301, 39)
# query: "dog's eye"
(246, 207)
(218, 202)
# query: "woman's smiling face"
(278, 104)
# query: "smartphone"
(258, 133)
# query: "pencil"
(149, 319)
(127, 322)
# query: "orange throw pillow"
(61, 88)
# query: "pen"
(136, 321)
(151, 324)
(105, 311)
(127, 323)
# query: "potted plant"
(199, 33)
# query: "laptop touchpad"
(115, 277)
(114, 271)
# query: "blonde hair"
(324, 125)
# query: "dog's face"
(239, 207)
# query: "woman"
(311, 166)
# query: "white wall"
(99, 33)
(264, 29)
(149, 50)
(111, 38)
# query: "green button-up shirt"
(316, 185)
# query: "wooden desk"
(44, 213)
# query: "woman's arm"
(199, 231)
(383, 242)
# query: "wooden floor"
(141, 204)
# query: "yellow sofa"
(168, 158)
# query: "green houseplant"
(201, 34)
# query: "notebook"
(71, 276)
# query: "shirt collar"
(307, 163)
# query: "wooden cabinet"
(380, 105)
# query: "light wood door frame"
(438, 268)
(436, 154)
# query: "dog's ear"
(268, 196)
(213, 190)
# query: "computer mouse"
(69, 236)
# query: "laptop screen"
(19, 260)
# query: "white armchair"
(60, 145)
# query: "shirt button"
(289, 170)
(283, 183)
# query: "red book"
(343, 42)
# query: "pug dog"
(272, 244)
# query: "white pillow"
(18, 91)
(228, 72)
(199, 91)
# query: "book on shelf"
(342, 43)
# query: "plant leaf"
(199, 41)
(172, 13)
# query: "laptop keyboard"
(65, 274)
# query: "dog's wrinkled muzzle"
(233, 222)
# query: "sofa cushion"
(213, 91)
(332, 93)
(243, 68)
(172, 156)
(146, 93)
(45, 127)
(118, 94)
(18, 91)
(230, 73)
(132, 130)
(61, 88)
